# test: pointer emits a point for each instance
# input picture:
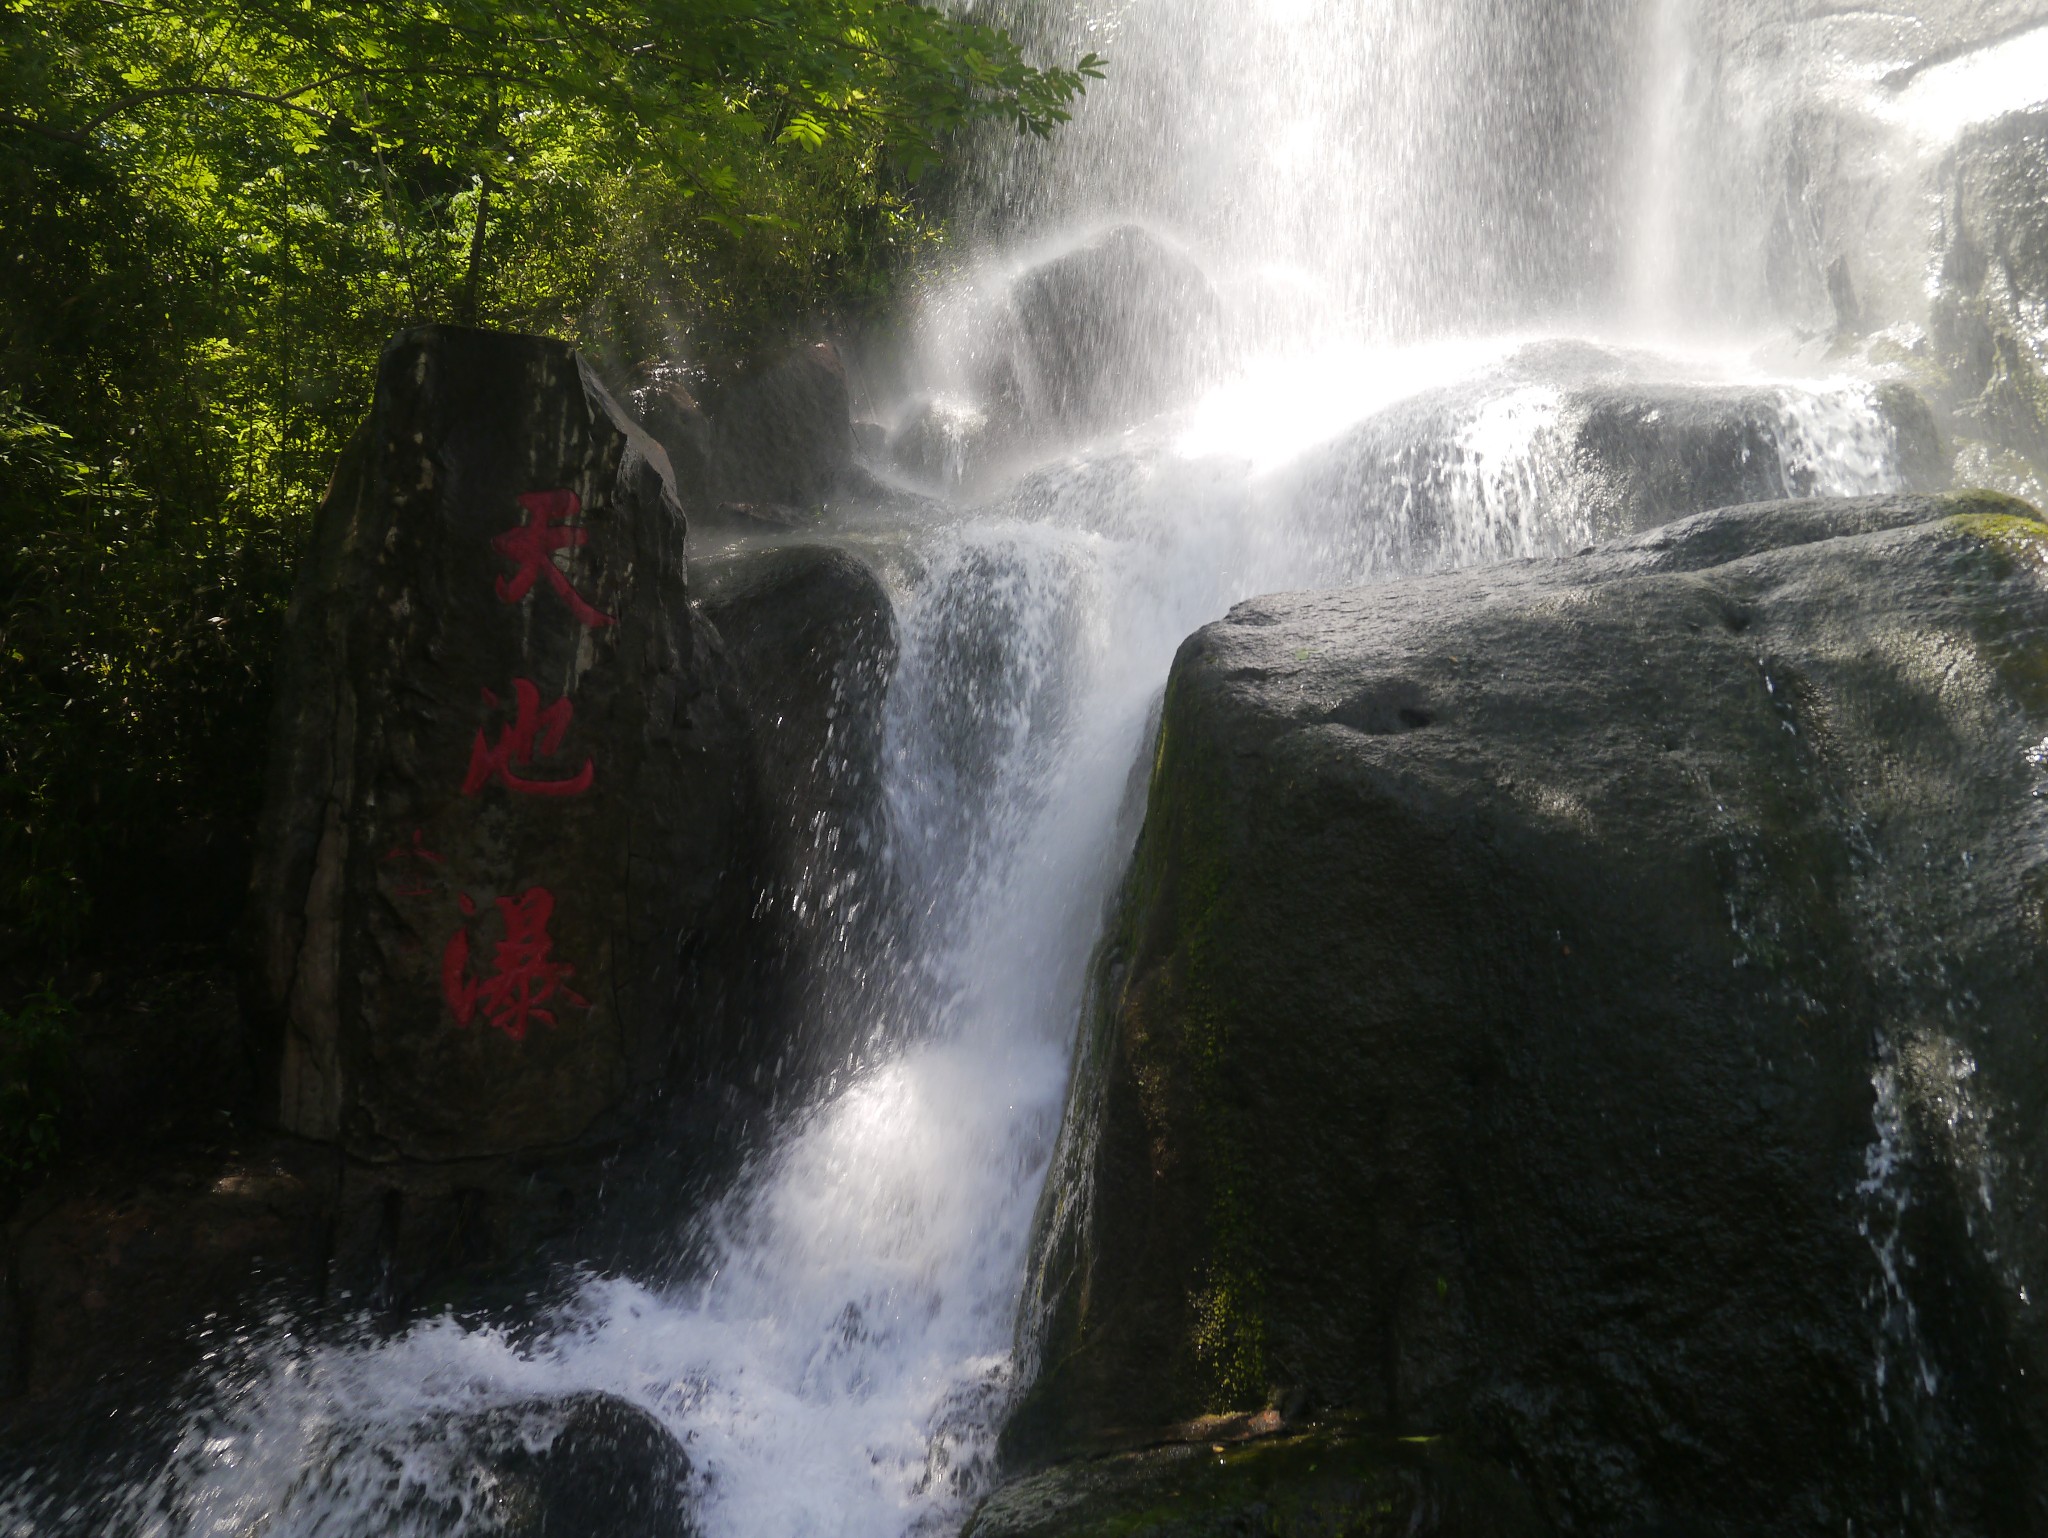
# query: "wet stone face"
(570, 1468)
(1588, 1007)
(510, 789)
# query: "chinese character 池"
(524, 980)
(533, 732)
(532, 546)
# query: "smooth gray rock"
(1592, 1008)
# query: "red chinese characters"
(524, 979)
(523, 983)
(534, 732)
(532, 546)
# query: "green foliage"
(216, 210)
(35, 1055)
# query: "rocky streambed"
(1561, 1059)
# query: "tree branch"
(62, 136)
(128, 103)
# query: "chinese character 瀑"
(524, 981)
(420, 852)
(532, 548)
(533, 732)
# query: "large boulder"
(782, 430)
(1591, 1008)
(1086, 340)
(503, 883)
(763, 444)
(1566, 434)
(810, 629)
(1111, 331)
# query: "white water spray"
(839, 1366)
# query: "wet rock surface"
(503, 885)
(1575, 435)
(590, 1466)
(810, 631)
(1990, 315)
(764, 445)
(1589, 1008)
(1307, 1485)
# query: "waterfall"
(1376, 223)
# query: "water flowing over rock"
(768, 442)
(503, 876)
(1588, 1009)
(1553, 1068)
(590, 1466)
(810, 630)
(1574, 442)
(1991, 312)
(1082, 342)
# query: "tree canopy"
(216, 210)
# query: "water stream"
(1372, 223)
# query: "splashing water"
(841, 1364)
(1336, 185)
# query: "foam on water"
(839, 1362)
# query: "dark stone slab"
(587, 1466)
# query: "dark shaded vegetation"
(216, 211)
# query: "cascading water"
(1279, 311)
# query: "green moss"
(2008, 631)
(1158, 1014)
(1229, 1331)
(2013, 533)
(1226, 1314)
(1980, 500)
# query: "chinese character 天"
(531, 548)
